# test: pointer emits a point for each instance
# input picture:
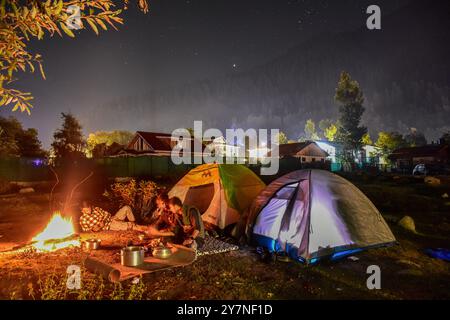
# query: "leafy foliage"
(17, 141)
(330, 132)
(137, 196)
(366, 140)
(282, 138)
(310, 130)
(24, 20)
(68, 140)
(388, 142)
(107, 138)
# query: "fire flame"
(52, 238)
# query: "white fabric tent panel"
(212, 214)
(269, 220)
(327, 229)
(218, 212)
(295, 233)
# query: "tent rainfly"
(221, 192)
(312, 214)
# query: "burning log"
(52, 244)
(55, 242)
(59, 233)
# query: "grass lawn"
(406, 272)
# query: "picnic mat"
(115, 272)
(214, 245)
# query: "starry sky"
(176, 43)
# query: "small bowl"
(161, 252)
(92, 244)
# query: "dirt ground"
(406, 271)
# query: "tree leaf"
(59, 7)
(42, 71)
(31, 66)
(66, 30)
(16, 106)
(92, 24)
(101, 24)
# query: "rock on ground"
(408, 223)
(432, 181)
(26, 190)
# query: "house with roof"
(220, 145)
(434, 154)
(306, 152)
(151, 143)
(369, 154)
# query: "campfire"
(59, 233)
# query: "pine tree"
(68, 141)
(351, 99)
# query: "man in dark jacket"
(188, 226)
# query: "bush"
(137, 196)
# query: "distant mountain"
(403, 69)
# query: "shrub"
(137, 196)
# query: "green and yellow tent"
(221, 192)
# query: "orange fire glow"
(58, 228)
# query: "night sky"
(176, 43)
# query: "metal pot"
(161, 252)
(92, 244)
(132, 256)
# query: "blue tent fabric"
(439, 253)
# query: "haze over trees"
(310, 130)
(415, 138)
(402, 89)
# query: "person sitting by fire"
(187, 226)
(159, 214)
(94, 219)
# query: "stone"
(26, 190)
(407, 223)
(433, 181)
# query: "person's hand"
(152, 231)
(195, 233)
(187, 242)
